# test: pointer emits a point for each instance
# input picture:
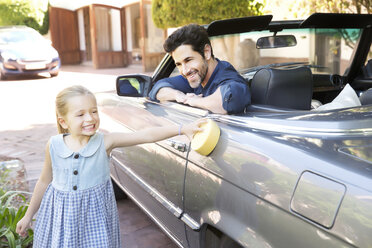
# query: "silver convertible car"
(293, 170)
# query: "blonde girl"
(74, 196)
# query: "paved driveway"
(28, 120)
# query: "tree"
(175, 13)
(304, 8)
(29, 13)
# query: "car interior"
(281, 88)
(289, 89)
(305, 85)
(297, 88)
(284, 81)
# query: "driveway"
(28, 120)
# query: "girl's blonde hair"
(62, 101)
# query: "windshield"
(8, 36)
(327, 51)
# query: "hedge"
(175, 13)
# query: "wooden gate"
(64, 33)
(108, 46)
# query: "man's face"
(191, 65)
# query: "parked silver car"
(293, 170)
(23, 51)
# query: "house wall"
(115, 30)
(80, 14)
(134, 33)
(153, 40)
(128, 29)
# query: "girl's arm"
(150, 135)
(40, 188)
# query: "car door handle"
(179, 146)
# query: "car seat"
(285, 88)
(366, 97)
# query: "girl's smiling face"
(82, 116)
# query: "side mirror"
(136, 85)
(276, 41)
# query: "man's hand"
(169, 94)
(192, 99)
(180, 97)
(212, 102)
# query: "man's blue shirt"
(234, 89)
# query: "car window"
(324, 50)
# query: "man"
(205, 82)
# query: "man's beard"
(202, 73)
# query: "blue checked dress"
(78, 208)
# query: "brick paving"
(28, 145)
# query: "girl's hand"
(190, 129)
(23, 225)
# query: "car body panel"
(245, 166)
(155, 166)
(277, 177)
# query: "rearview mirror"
(276, 41)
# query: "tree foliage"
(343, 6)
(306, 7)
(29, 13)
(175, 13)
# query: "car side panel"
(247, 219)
(149, 202)
(152, 174)
(265, 169)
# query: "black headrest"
(367, 69)
(285, 88)
(366, 97)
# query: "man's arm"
(229, 98)
(170, 94)
(236, 97)
(170, 89)
(212, 102)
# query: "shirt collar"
(88, 150)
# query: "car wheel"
(119, 193)
(54, 74)
(216, 239)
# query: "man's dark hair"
(191, 34)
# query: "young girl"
(74, 195)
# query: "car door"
(152, 174)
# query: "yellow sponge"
(204, 142)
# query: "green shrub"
(9, 217)
(28, 13)
(13, 206)
(175, 13)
